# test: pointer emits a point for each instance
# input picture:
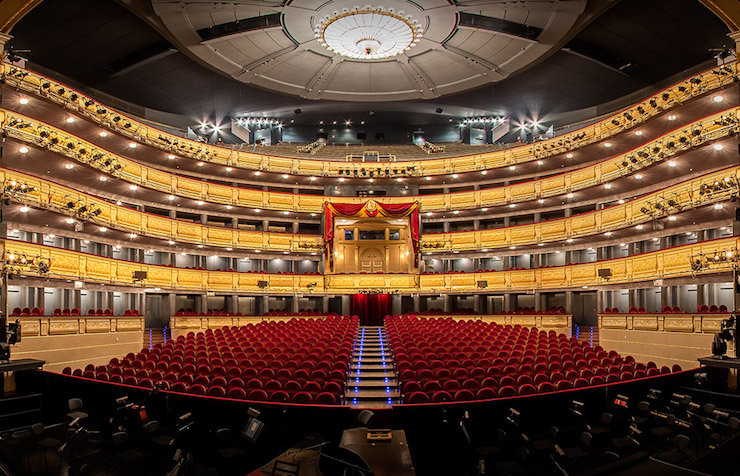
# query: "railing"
(672, 200)
(710, 128)
(67, 201)
(662, 264)
(136, 130)
(664, 322)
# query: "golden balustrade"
(662, 264)
(672, 200)
(127, 126)
(710, 128)
(51, 196)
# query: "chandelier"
(368, 33)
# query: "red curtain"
(371, 208)
(371, 308)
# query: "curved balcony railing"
(48, 195)
(708, 189)
(129, 127)
(662, 264)
(711, 128)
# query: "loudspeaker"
(262, 284)
(297, 111)
(439, 110)
(482, 284)
(605, 273)
(139, 275)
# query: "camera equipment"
(10, 334)
(727, 333)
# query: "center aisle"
(372, 381)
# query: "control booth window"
(395, 235)
(372, 234)
(349, 235)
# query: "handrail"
(130, 127)
(712, 127)
(68, 201)
(666, 263)
(672, 200)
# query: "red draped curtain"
(371, 308)
(371, 208)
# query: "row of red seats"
(271, 313)
(297, 361)
(446, 360)
(704, 309)
(39, 311)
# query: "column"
(295, 304)
(396, 304)
(569, 302)
(446, 303)
(417, 302)
(346, 309)
(506, 307)
(325, 304)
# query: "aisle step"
(371, 379)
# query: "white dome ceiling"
(341, 50)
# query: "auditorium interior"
(434, 237)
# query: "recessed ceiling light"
(672, 163)
(607, 144)
(570, 195)
(171, 157)
(608, 233)
(455, 176)
(512, 167)
(200, 164)
(103, 229)
(620, 201)
(132, 235)
(456, 212)
(540, 201)
(640, 227)
(199, 246)
(607, 186)
(229, 169)
(638, 133)
(484, 172)
(312, 178)
(569, 240)
(257, 210)
(715, 99)
(229, 249)
(285, 176)
(512, 247)
(200, 202)
(540, 244)
(427, 178)
(672, 218)
(24, 209)
(23, 101)
(638, 176)
(672, 117)
(512, 205)
(340, 179)
(257, 173)
(133, 187)
(170, 242)
(132, 145)
(718, 147)
(229, 207)
(23, 150)
(539, 162)
(69, 220)
(170, 197)
(718, 206)
(103, 134)
(70, 120)
(485, 209)
(570, 156)
(103, 178)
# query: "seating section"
(701, 309)
(441, 360)
(301, 361)
(270, 313)
(39, 311)
(520, 311)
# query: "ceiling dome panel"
(357, 51)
